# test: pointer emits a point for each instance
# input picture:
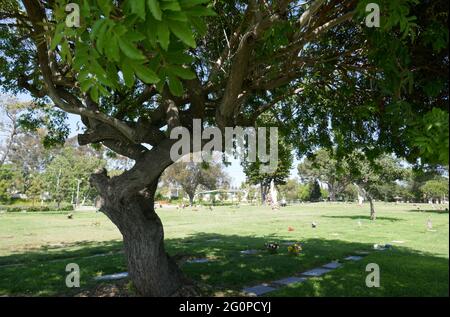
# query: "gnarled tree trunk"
(152, 271)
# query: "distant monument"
(429, 224)
(273, 196)
(360, 199)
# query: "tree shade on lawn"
(134, 70)
(416, 267)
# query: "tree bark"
(263, 194)
(332, 194)
(152, 271)
(191, 199)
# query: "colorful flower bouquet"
(294, 249)
(272, 247)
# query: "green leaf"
(175, 86)
(128, 74)
(59, 34)
(112, 50)
(172, 5)
(183, 32)
(200, 26)
(105, 6)
(94, 93)
(130, 50)
(138, 8)
(183, 73)
(147, 75)
(155, 9)
(163, 35)
(192, 3)
(160, 85)
(177, 16)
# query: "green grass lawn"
(36, 247)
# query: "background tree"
(289, 191)
(315, 193)
(190, 176)
(67, 175)
(323, 166)
(369, 175)
(10, 128)
(435, 189)
(10, 181)
(134, 70)
(418, 175)
(304, 192)
(255, 177)
(36, 188)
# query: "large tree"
(190, 175)
(329, 170)
(134, 70)
(369, 175)
(66, 176)
(436, 189)
(256, 176)
(9, 125)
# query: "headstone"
(332, 265)
(112, 277)
(288, 242)
(316, 272)
(290, 280)
(354, 258)
(249, 252)
(258, 290)
(273, 196)
(360, 200)
(200, 260)
(429, 224)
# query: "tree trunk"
(263, 194)
(191, 199)
(332, 195)
(152, 271)
(373, 216)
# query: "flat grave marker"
(290, 280)
(259, 290)
(332, 265)
(112, 277)
(316, 272)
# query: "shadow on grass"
(364, 218)
(54, 252)
(440, 212)
(228, 269)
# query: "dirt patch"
(116, 289)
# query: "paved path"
(265, 288)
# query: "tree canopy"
(134, 70)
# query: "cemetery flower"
(272, 247)
(294, 249)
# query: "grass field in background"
(36, 247)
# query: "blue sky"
(234, 170)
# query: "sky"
(234, 170)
